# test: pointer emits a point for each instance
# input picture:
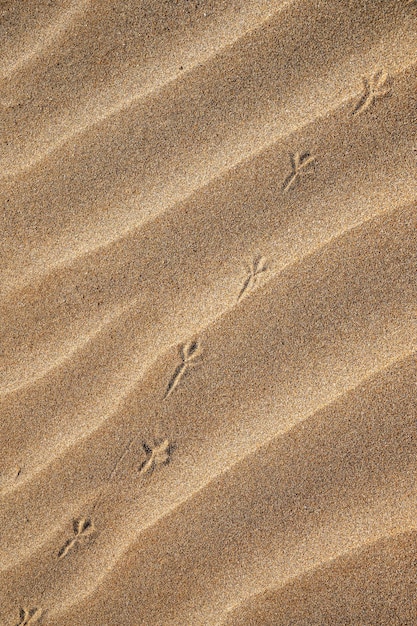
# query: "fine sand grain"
(208, 307)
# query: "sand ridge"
(208, 298)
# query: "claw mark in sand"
(373, 88)
(259, 265)
(298, 163)
(31, 616)
(158, 455)
(189, 354)
(82, 528)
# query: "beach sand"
(208, 298)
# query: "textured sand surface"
(208, 312)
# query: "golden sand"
(208, 289)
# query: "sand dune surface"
(208, 305)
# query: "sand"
(208, 293)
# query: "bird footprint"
(82, 528)
(189, 354)
(257, 267)
(158, 455)
(298, 162)
(29, 616)
(374, 88)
